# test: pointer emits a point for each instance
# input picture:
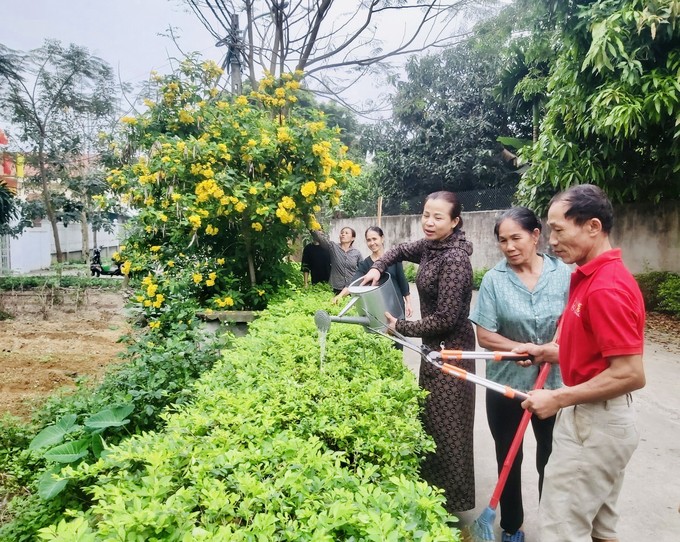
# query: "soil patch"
(54, 338)
(664, 330)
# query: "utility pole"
(232, 60)
(234, 54)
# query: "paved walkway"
(650, 499)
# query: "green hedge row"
(275, 445)
(661, 291)
(32, 282)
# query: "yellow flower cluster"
(256, 226)
(207, 189)
(283, 135)
(185, 117)
(211, 279)
(125, 268)
(225, 302)
(202, 169)
(154, 325)
(308, 189)
(155, 299)
(195, 221)
(348, 165)
(211, 230)
(197, 278)
(327, 184)
(212, 69)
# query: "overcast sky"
(124, 33)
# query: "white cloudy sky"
(125, 33)
(122, 32)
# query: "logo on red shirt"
(576, 307)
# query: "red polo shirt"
(604, 317)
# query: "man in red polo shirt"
(600, 341)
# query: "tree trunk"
(49, 210)
(85, 248)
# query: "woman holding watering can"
(444, 282)
(520, 301)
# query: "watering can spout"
(323, 320)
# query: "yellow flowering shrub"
(224, 179)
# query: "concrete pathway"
(650, 499)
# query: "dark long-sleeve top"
(397, 276)
(343, 264)
(444, 282)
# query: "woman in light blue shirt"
(520, 301)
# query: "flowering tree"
(221, 187)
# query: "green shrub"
(410, 270)
(669, 294)
(649, 286)
(477, 276)
(277, 444)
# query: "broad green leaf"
(110, 417)
(98, 445)
(69, 452)
(54, 434)
(49, 486)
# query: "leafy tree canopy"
(613, 117)
(55, 96)
(445, 126)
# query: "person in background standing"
(520, 301)
(375, 240)
(316, 261)
(344, 258)
(601, 341)
(444, 282)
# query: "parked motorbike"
(97, 268)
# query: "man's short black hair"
(586, 201)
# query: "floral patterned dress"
(444, 282)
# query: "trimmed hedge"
(276, 445)
(660, 290)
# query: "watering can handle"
(348, 306)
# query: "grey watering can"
(372, 302)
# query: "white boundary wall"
(34, 249)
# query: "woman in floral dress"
(444, 282)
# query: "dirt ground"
(51, 341)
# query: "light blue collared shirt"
(507, 307)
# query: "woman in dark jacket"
(444, 282)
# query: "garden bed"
(51, 341)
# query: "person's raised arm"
(320, 237)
